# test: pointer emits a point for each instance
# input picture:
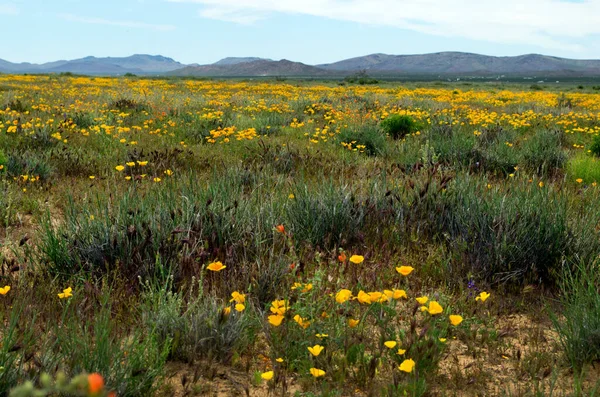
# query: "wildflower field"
(172, 237)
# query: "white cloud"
(8, 9)
(125, 24)
(547, 23)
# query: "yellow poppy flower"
(363, 297)
(375, 296)
(216, 267)
(435, 308)
(226, 311)
(317, 373)
(275, 320)
(455, 319)
(237, 297)
(407, 365)
(240, 307)
(119, 168)
(390, 344)
(278, 307)
(267, 375)
(401, 352)
(353, 323)
(422, 300)
(343, 295)
(482, 296)
(405, 270)
(315, 350)
(67, 293)
(357, 259)
(4, 290)
(301, 321)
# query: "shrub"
(398, 126)
(126, 104)
(361, 78)
(454, 147)
(543, 154)
(325, 218)
(595, 147)
(184, 224)
(578, 323)
(496, 152)
(363, 138)
(132, 364)
(198, 328)
(30, 163)
(517, 236)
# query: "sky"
(309, 31)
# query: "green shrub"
(30, 163)
(517, 236)
(366, 135)
(199, 328)
(542, 153)
(595, 147)
(454, 147)
(578, 323)
(179, 222)
(326, 217)
(398, 126)
(496, 152)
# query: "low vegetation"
(186, 237)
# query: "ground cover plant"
(198, 237)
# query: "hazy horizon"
(312, 32)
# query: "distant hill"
(464, 63)
(139, 63)
(235, 60)
(256, 68)
(437, 64)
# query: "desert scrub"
(201, 326)
(518, 236)
(132, 361)
(398, 126)
(542, 153)
(578, 322)
(595, 146)
(326, 216)
(363, 138)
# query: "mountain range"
(436, 64)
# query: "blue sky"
(310, 31)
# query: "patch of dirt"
(525, 358)
(217, 381)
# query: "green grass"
(583, 167)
